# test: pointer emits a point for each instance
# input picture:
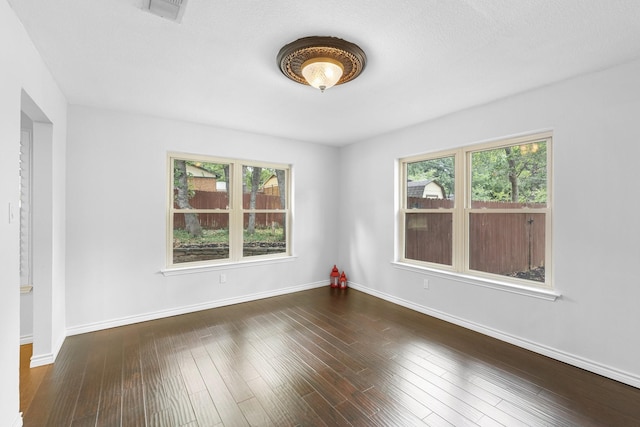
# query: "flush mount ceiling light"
(321, 62)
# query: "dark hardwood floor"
(315, 358)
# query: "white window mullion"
(460, 224)
(236, 225)
(170, 211)
(402, 212)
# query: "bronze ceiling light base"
(321, 62)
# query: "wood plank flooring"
(316, 358)
(30, 378)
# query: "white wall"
(116, 176)
(22, 69)
(26, 318)
(595, 222)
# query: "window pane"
(509, 244)
(263, 188)
(200, 237)
(428, 237)
(200, 185)
(510, 177)
(264, 233)
(430, 183)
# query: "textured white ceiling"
(426, 58)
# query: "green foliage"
(500, 173)
(265, 174)
(217, 169)
(441, 170)
(517, 173)
(264, 235)
(221, 236)
(177, 175)
(182, 237)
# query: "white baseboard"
(47, 358)
(42, 359)
(571, 359)
(18, 421)
(26, 339)
(113, 323)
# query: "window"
(226, 210)
(483, 210)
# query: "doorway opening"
(36, 242)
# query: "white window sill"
(176, 271)
(530, 291)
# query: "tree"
(440, 170)
(280, 176)
(181, 184)
(225, 169)
(516, 173)
(255, 185)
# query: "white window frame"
(235, 211)
(461, 215)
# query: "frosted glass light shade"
(321, 62)
(322, 73)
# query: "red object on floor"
(343, 281)
(334, 277)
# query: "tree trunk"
(182, 198)
(513, 174)
(255, 184)
(280, 175)
(225, 168)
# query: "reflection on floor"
(30, 378)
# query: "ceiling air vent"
(169, 9)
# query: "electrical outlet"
(223, 278)
(425, 284)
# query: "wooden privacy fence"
(220, 200)
(501, 243)
(428, 237)
(506, 243)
